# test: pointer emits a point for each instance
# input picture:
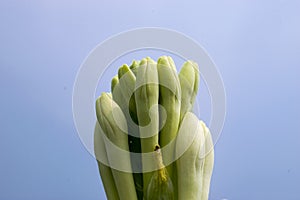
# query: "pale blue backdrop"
(255, 44)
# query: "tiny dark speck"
(65, 87)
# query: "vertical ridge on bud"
(146, 98)
(190, 164)
(124, 96)
(170, 100)
(113, 122)
(104, 170)
(208, 162)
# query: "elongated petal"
(123, 94)
(113, 123)
(169, 99)
(189, 81)
(190, 165)
(104, 170)
(208, 162)
(146, 98)
(170, 94)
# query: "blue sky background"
(255, 44)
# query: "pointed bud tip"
(104, 98)
(123, 70)
(134, 64)
(114, 82)
(193, 64)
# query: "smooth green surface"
(104, 170)
(105, 106)
(136, 93)
(146, 96)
